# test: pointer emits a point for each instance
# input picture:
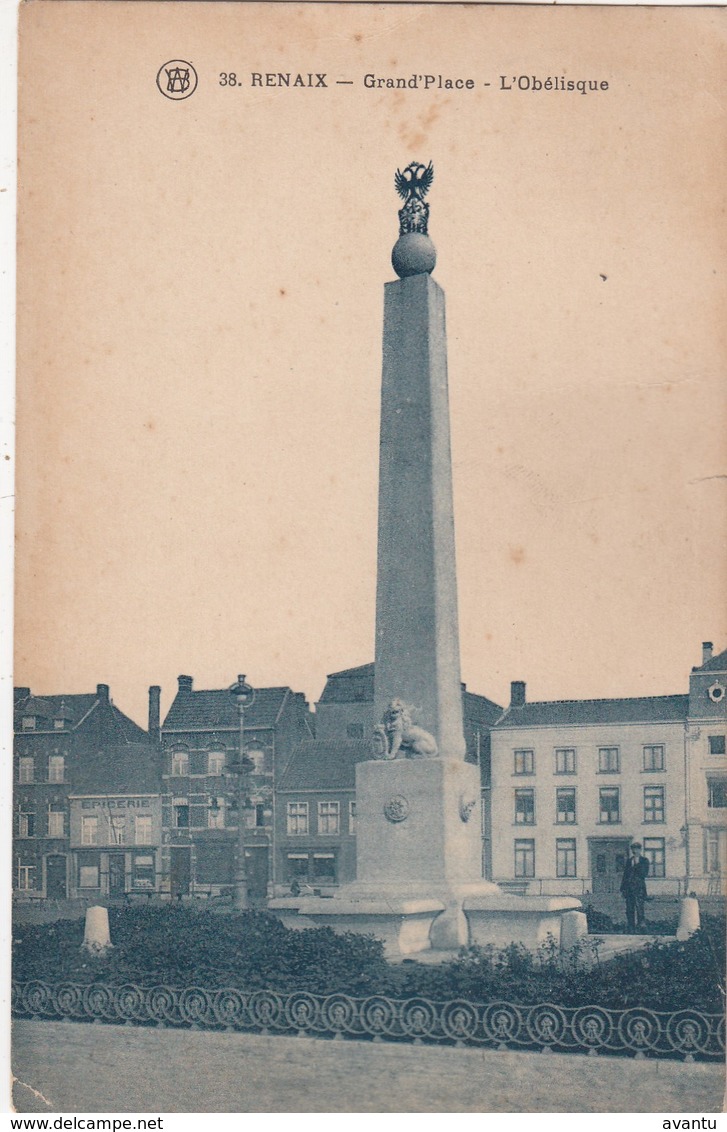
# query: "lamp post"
(243, 695)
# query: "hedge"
(179, 946)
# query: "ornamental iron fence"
(501, 1025)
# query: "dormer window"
(58, 724)
(28, 723)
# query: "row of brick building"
(104, 808)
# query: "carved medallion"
(397, 808)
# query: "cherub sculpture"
(397, 737)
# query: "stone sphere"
(413, 254)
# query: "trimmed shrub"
(180, 946)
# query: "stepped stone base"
(412, 923)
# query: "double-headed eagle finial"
(413, 184)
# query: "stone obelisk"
(419, 883)
(417, 634)
(418, 823)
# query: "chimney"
(706, 651)
(185, 684)
(154, 714)
(517, 693)
(102, 691)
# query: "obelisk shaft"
(417, 635)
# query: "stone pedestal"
(418, 822)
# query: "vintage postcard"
(370, 670)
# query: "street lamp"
(243, 695)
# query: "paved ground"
(82, 1068)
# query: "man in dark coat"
(633, 887)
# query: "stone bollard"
(573, 928)
(96, 936)
(688, 918)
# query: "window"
(89, 830)
(716, 745)
(26, 769)
(653, 803)
(524, 762)
(216, 814)
(324, 867)
(56, 768)
(297, 818)
(117, 823)
(26, 825)
(181, 815)
(216, 763)
(654, 757)
(297, 866)
(565, 806)
(565, 760)
(58, 724)
(259, 815)
(88, 876)
(352, 818)
(257, 758)
(609, 805)
(142, 829)
(609, 761)
(28, 723)
(26, 877)
(354, 730)
(142, 872)
(329, 817)
(524, 858)
(654, 852)
(716, 793)
(56, 823)
(524, 807)
(180, 763)
(565, 857)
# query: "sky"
(200, 300)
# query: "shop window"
(324, 868)
(142, 872)
(297, 866)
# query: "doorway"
(117, 874)
(180, 870)
(608, 857)
(55, 877)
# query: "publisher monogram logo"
(177, 79)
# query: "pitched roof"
(481, 709)
(325, 765)
(349, 685)
(717, 663)
(558, 713)
(74, 708)
(216, 708)
(125, 768)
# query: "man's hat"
(635, 844)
